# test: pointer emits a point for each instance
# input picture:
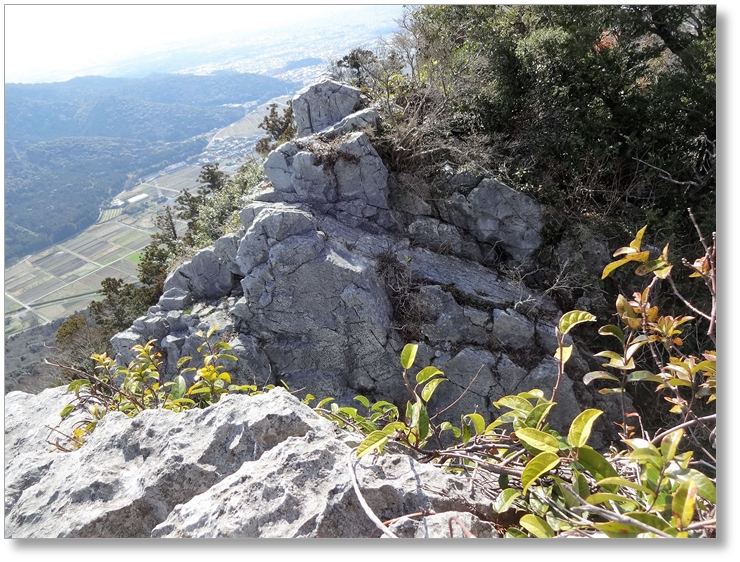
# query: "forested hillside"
(70, 146)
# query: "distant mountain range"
(71, 145)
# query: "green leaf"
(537, 526)
(478, 422)
(580, 428)
(183, 360)
(612, 330)
(447, 426)
(324, 402)
(637, 376)
(539, 465)
(427, 373)
(211, 330)
(430, 387)
(604, 497)
(199, 390)
(594, 375)
(408, 355)
(562, 354)
(573, 318)
(229, 357)
(375, 441)
(423, 422)
(648, 519)
(538, 439)
(684, 501)
(615, 530)
(514, 533)
(515, 403)
(362, 400)
(504, 500)
(705, 487)
(619, 481)
(179, 387)
(222, 345)
(538, 412)
(669, 444)
(68, 409)
(596, 465)
(225, 377)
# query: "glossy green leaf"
(580, 484)
(478, 422)
(505, 499)
(179, 388)
(596, 465)
(211, 330)
(408, 355)
(515, 403)
(573, 318)
(612, 330)
(580, 428)
(705, 487)
(618, 530)
(637, 376)
(222, 345)
(447, 426)
(538, 439)
(375, 441)
(229, 357)
(514, 533)
(423, 422)
(392, 427)
(669, 444)
(595, 375)
(199, 390)
(605, 497)
(430, 387)
(562, 354)
(683, 504)
(183, 360)
(619, 481)
(427, 373)
(324, 402)
(538, 412)
(537, 526)
(538, 466)
(362, 400)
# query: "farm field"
(66, 278)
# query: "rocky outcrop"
(326, 282)
(261, 466)
(320, 288)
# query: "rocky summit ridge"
(317, 289)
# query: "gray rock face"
(262, 466)
(496, 214)
(326, 280)
(323, 104)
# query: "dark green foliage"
(280, 129)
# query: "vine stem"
(368, 511)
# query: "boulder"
(260, 466)
(323, 104)
(497, 214)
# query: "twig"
(490, 467)
(465, 530)
(369, 512)
(606, 514)
(660, 436)
(407, 516)
(461, 395)
(701, 525)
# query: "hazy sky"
(56, 42)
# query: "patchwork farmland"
(66, 278)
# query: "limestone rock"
(496, 214)
(323, 104)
